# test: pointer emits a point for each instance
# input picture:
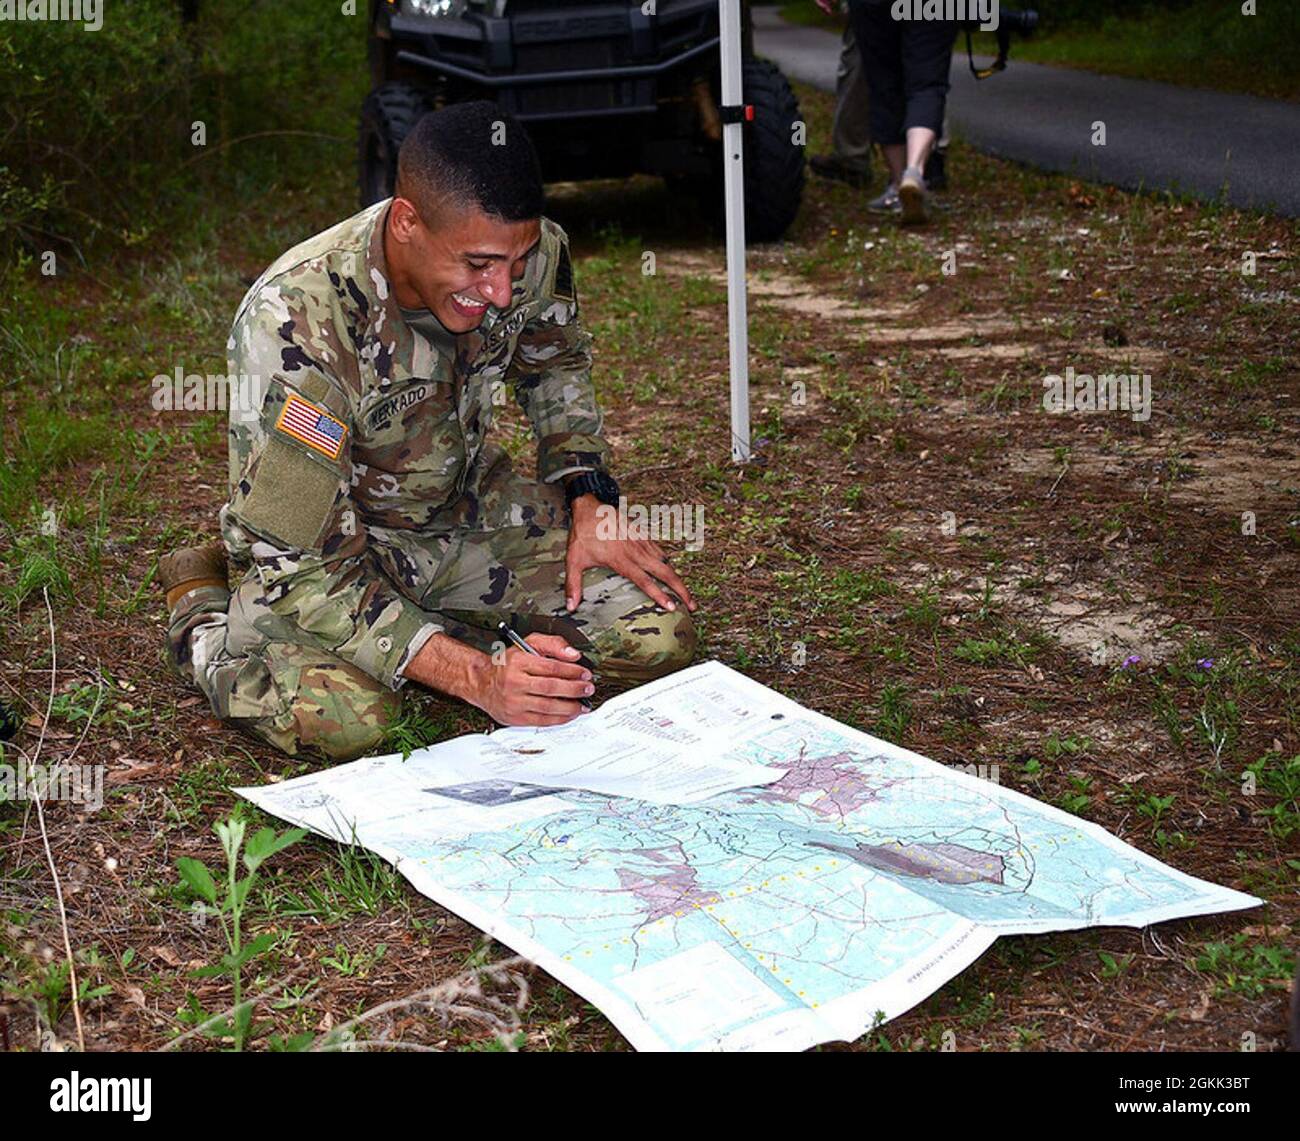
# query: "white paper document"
(666, 749)
(718, 868)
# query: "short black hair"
(471, 154)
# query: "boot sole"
(913, 201)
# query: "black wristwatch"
(598, 483)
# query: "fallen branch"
(45, 836)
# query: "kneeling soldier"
(381, 537)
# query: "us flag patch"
(313, 427)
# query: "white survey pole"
(733, 154)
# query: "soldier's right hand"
(543, 689)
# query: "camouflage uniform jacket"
(368, 433)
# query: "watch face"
(596, 483)
(606, 488)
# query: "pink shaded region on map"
(839, 784)
(665, 893)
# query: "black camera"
(1011, 21)
(1022, 21)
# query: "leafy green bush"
(99, 139)
(92, 114)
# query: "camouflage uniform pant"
(295, 694)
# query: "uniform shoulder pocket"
(291, 497)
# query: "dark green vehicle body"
(606, 90)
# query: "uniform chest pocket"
(409, 455)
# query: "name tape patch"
(384, 412)
(314, 427)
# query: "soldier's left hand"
(638, 560)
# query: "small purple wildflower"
(1206, 663)
(1131, 660)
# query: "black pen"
(515, 640)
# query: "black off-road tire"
(387, 116)
(774, 161)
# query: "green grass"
(1251, 969)
(1279, 778)
(1056, 747)
(895, 713)
(104, 704)
(993, 651)
(420, 724)
(1207, 44)
(1077, 799)
(924, 612)
(346, 882)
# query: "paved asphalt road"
(1158, 136)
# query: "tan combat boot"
(191, 568)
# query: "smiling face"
(457, 268)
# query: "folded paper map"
(717, 867)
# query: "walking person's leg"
(879, 43)
(936, 166)
(927, 58)
(850, 157)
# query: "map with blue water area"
(779, 916)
